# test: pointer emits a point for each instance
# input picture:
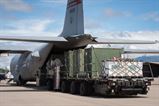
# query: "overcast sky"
(122, 19)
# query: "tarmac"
(30, 95)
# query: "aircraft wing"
(141, 51)
(88, 37)
(74, 41)
(43, 39)
(119, 41)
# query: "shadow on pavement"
(99, 96)
(117, 97)
(33, 88)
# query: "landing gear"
(21, 82)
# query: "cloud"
(7, 17)
(32, 27)
(145, 35)
(54, 1)
(15, 5)
(142, 35)
(153, 16)
(109, 12)
(5, 61)
(13, 45)
(136, 35)
(92, 24)
(121, 35)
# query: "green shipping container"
(78, 62)
(94, 57)
(69, 63)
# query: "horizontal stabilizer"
(13, 51)
(10, 48)
(42, 39)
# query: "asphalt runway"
(11, 95)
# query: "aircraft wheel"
(18, 83)
(21, 82)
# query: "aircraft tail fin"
(74, 20)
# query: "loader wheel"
(74, 88)
(86, 89)
(50, 84)
(65, 86)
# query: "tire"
(64, 87)
(50, 84)
(21, 82)
(86, 89)
(18, 83)
(74, 88)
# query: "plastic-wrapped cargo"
(94, 57)
(122, 68)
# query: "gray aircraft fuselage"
(24, 66)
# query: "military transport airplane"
(25, 65)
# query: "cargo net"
(121, 68)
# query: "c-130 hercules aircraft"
(24, 66)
